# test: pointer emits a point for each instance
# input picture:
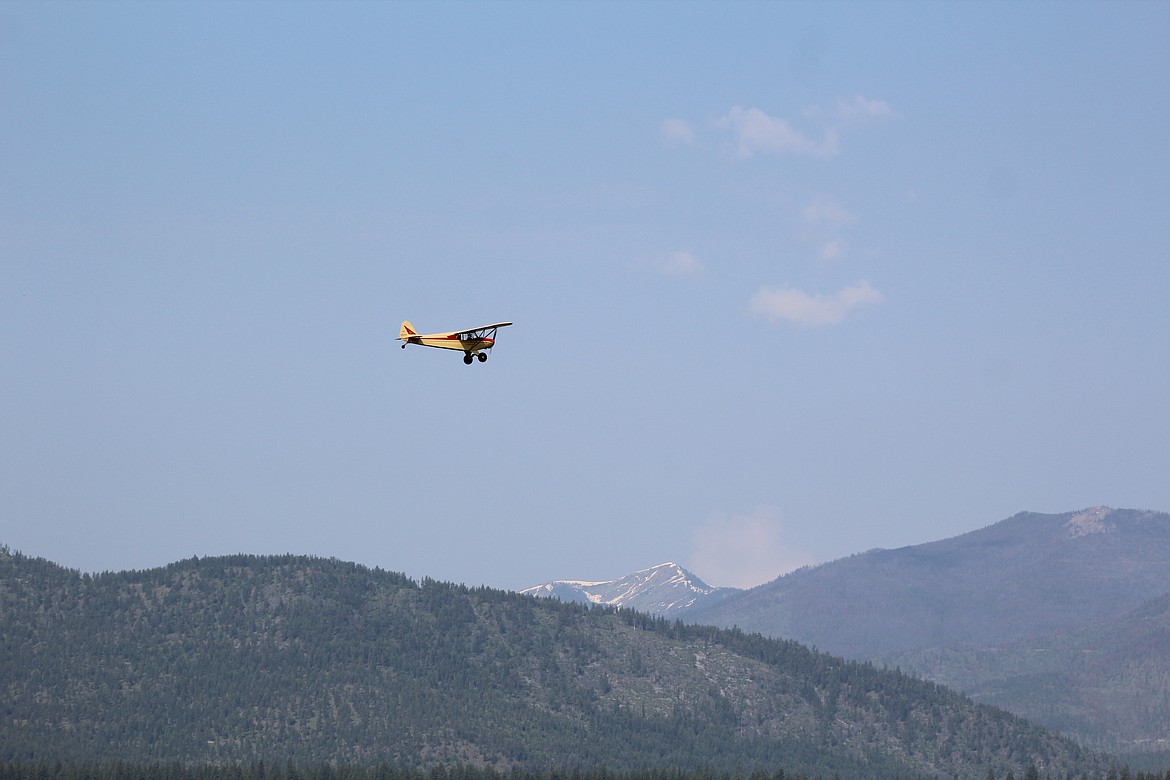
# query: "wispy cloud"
(754, 131)
(827, 212)
(825, 218)
(801, 308)
(832, 250)
(745, 550)
(678, 263)
(677, 132)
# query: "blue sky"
(790, 280)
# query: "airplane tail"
(406, 331)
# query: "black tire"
(467, 358)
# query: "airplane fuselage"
(451, 341)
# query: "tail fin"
(406, 331)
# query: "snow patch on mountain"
(665, 589)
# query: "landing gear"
(467, 358)
(482, 357)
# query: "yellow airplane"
(474, 342)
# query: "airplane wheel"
(482, 357)
(467, 358)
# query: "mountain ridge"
(1023, 576)
(243, 658)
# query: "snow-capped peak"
(664, 589)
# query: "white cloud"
(677, 132)
(832, 250)
(826, 212)
(744, 551)
(754, 131)
(861, 108)
(799, 307)
(677, 264)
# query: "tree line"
(121, 770)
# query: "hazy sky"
(790, 280)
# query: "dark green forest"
(299, 661)
(175, 771)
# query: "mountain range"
(310, 661)
(1058, 617)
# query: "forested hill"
(246, 658)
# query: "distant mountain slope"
(666, 589)
(1026, 576)
(1030, 614)
(245, 658)
(1107, 684)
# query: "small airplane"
(475, 343)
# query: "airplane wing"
(480, 332)
(408, 332)
(493, 326)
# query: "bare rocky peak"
(1091, 521)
